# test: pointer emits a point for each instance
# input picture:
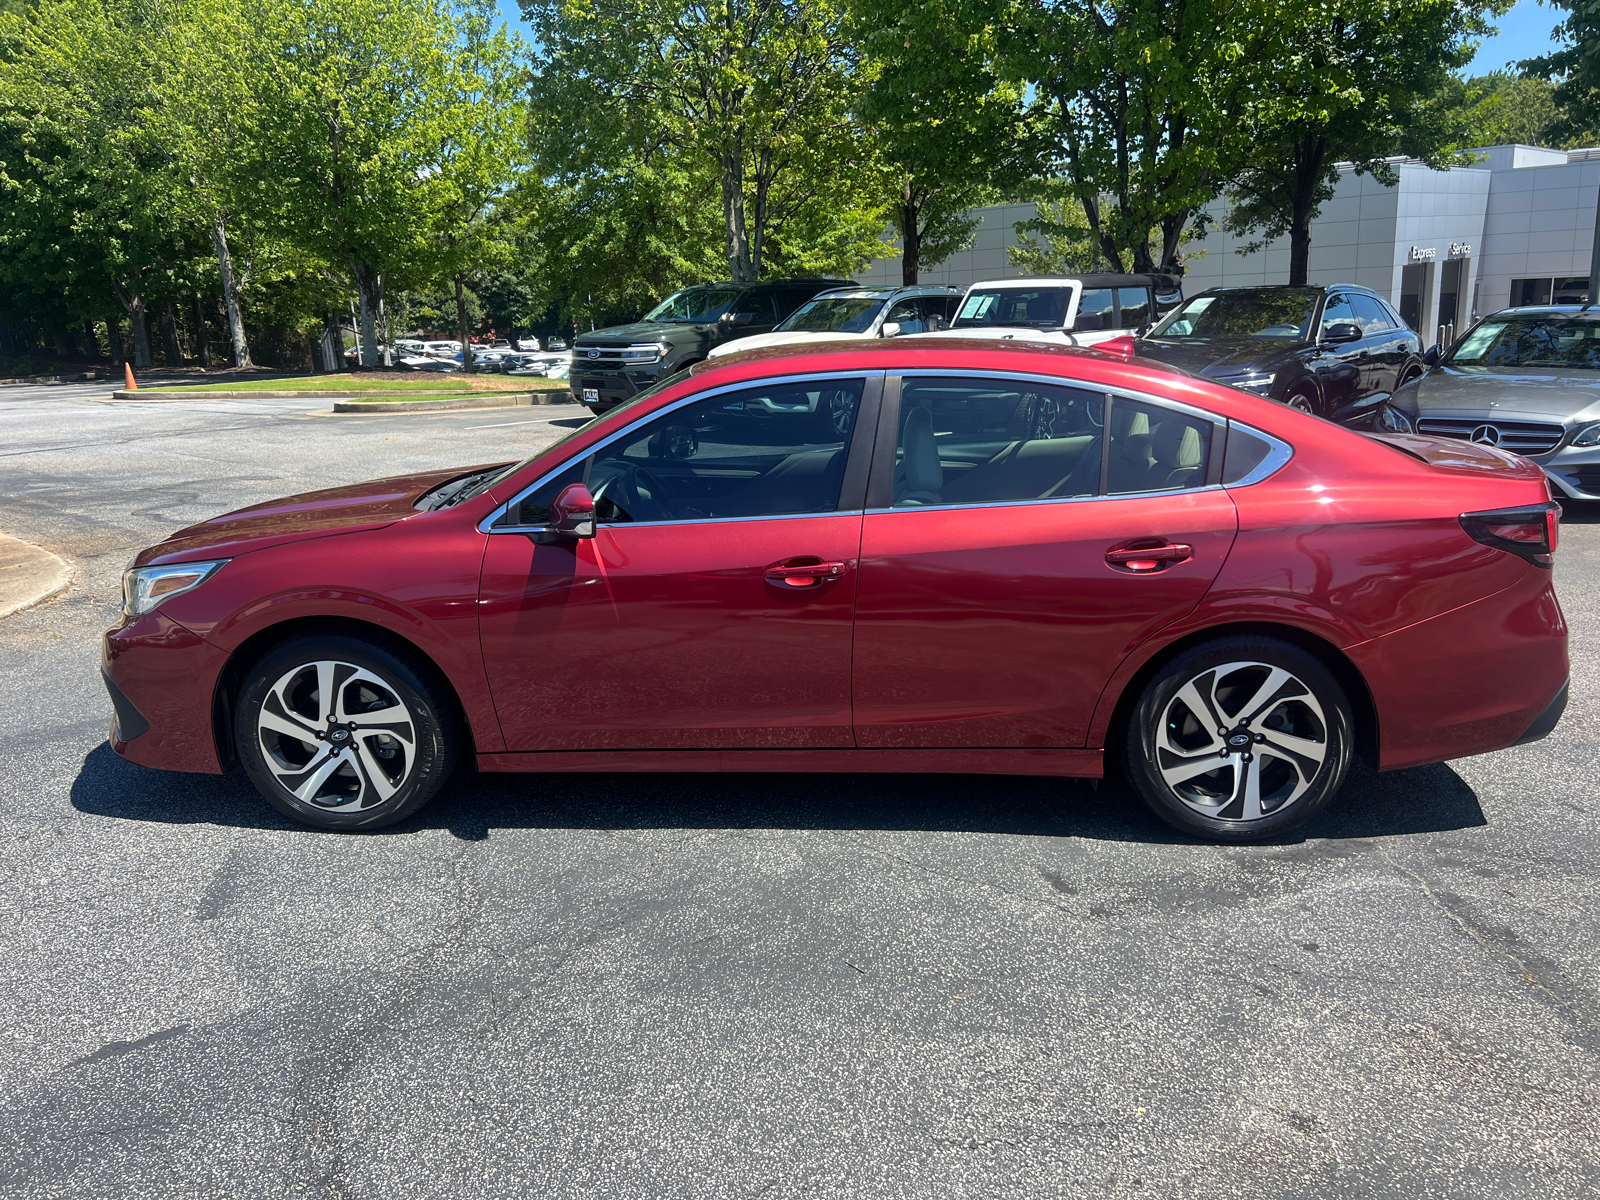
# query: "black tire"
(1303, 401)
(386, 761)
(1299, 748)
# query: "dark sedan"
(1337, 351)
(1523, 380)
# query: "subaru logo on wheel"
(1485, 435)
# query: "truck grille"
(1519, 437)
(609, 358)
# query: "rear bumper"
(1546, 721)
(1478, 678)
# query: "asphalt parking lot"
(729, 986)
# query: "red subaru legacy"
(891, 556)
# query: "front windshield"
(833, 314)
(1538, 340)
(1248, 312)
(1030, 308)
(696, 305)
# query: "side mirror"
(1345, 331)
(1432, 356)
(741, 318)
(572, 511)
(937, 324)
(889, 329)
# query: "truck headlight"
(643, 352)
(145, 589)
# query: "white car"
(1078, 310)
(855, 313)
(442, 349)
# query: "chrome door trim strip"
(486, 525)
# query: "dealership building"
(1445, 247)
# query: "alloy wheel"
(1241, 741)
(1300, 403)
(336, 735)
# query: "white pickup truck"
(1068, 310)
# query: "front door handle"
(1144, 559)
(805, 571)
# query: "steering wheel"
(639, 506)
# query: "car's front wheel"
(343, 733)
(1239, 739)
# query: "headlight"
(146, 588)
(1589, 435)
(1252, 380)
(644, 352)
(1392, 420)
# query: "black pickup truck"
(611, 365)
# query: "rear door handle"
(805, 571)
(1144, 559)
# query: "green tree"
(1140, 103)
(754, 92)
(1352, 82)
(948, 134)
(1575, 65)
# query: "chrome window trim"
(1209, 487)
(1067, 381)
(1277, 457)
(486, 525)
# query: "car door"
(999, 589)
(1339, 366)
(1384, 344)
(713, 606)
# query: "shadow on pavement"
(1420, 800)
(1579, 512)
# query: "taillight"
(1529, 532)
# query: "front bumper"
(612, 387)
(1575, 471)
(162, 679)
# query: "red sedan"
(892, 556)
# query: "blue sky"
(1524, 32)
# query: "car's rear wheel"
(1239, 739)
(343, 733)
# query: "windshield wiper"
(454, 491)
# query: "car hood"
(645, 331)
(1217, 357)
(759, 340)
(369, 505)
(1501, 391)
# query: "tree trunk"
(1309, 153)
(91, 343)
(139, 326)
(202, 340)
(461, 326)
(367, 292)
(332, 344)
(63, 340)
(740, 268)
(230, 292)
(114, 340)
(910, 237)
(8, 343)
(169, 335)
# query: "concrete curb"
(503, 400)
(29, 574)
(308, 394)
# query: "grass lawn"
(386, 381)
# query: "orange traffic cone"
(127, 375)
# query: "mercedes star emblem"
(1485, 435)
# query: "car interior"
(970, 442)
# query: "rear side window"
(1370, 315)
(983, 441)
(1135, 305)
(1155, 449)
(1095, 311)
(1245, 453)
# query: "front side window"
(910, 314)
(833, 314)
(1536, 340)
(1338, 312)
(696, 305)
(769, 451)
(1245, 312)
(1028, 308)
(1095, 311)
(1370, 315)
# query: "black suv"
(1337, 351)
(612, 365)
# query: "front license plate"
(591, 394)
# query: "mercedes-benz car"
(1336, 351)
(1008, 559)
(859, 312)
(1525, 380)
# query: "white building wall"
(1540, 222)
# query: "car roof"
(1292, 287)
(916, 289)
(1088, 279)
(1583, 311)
